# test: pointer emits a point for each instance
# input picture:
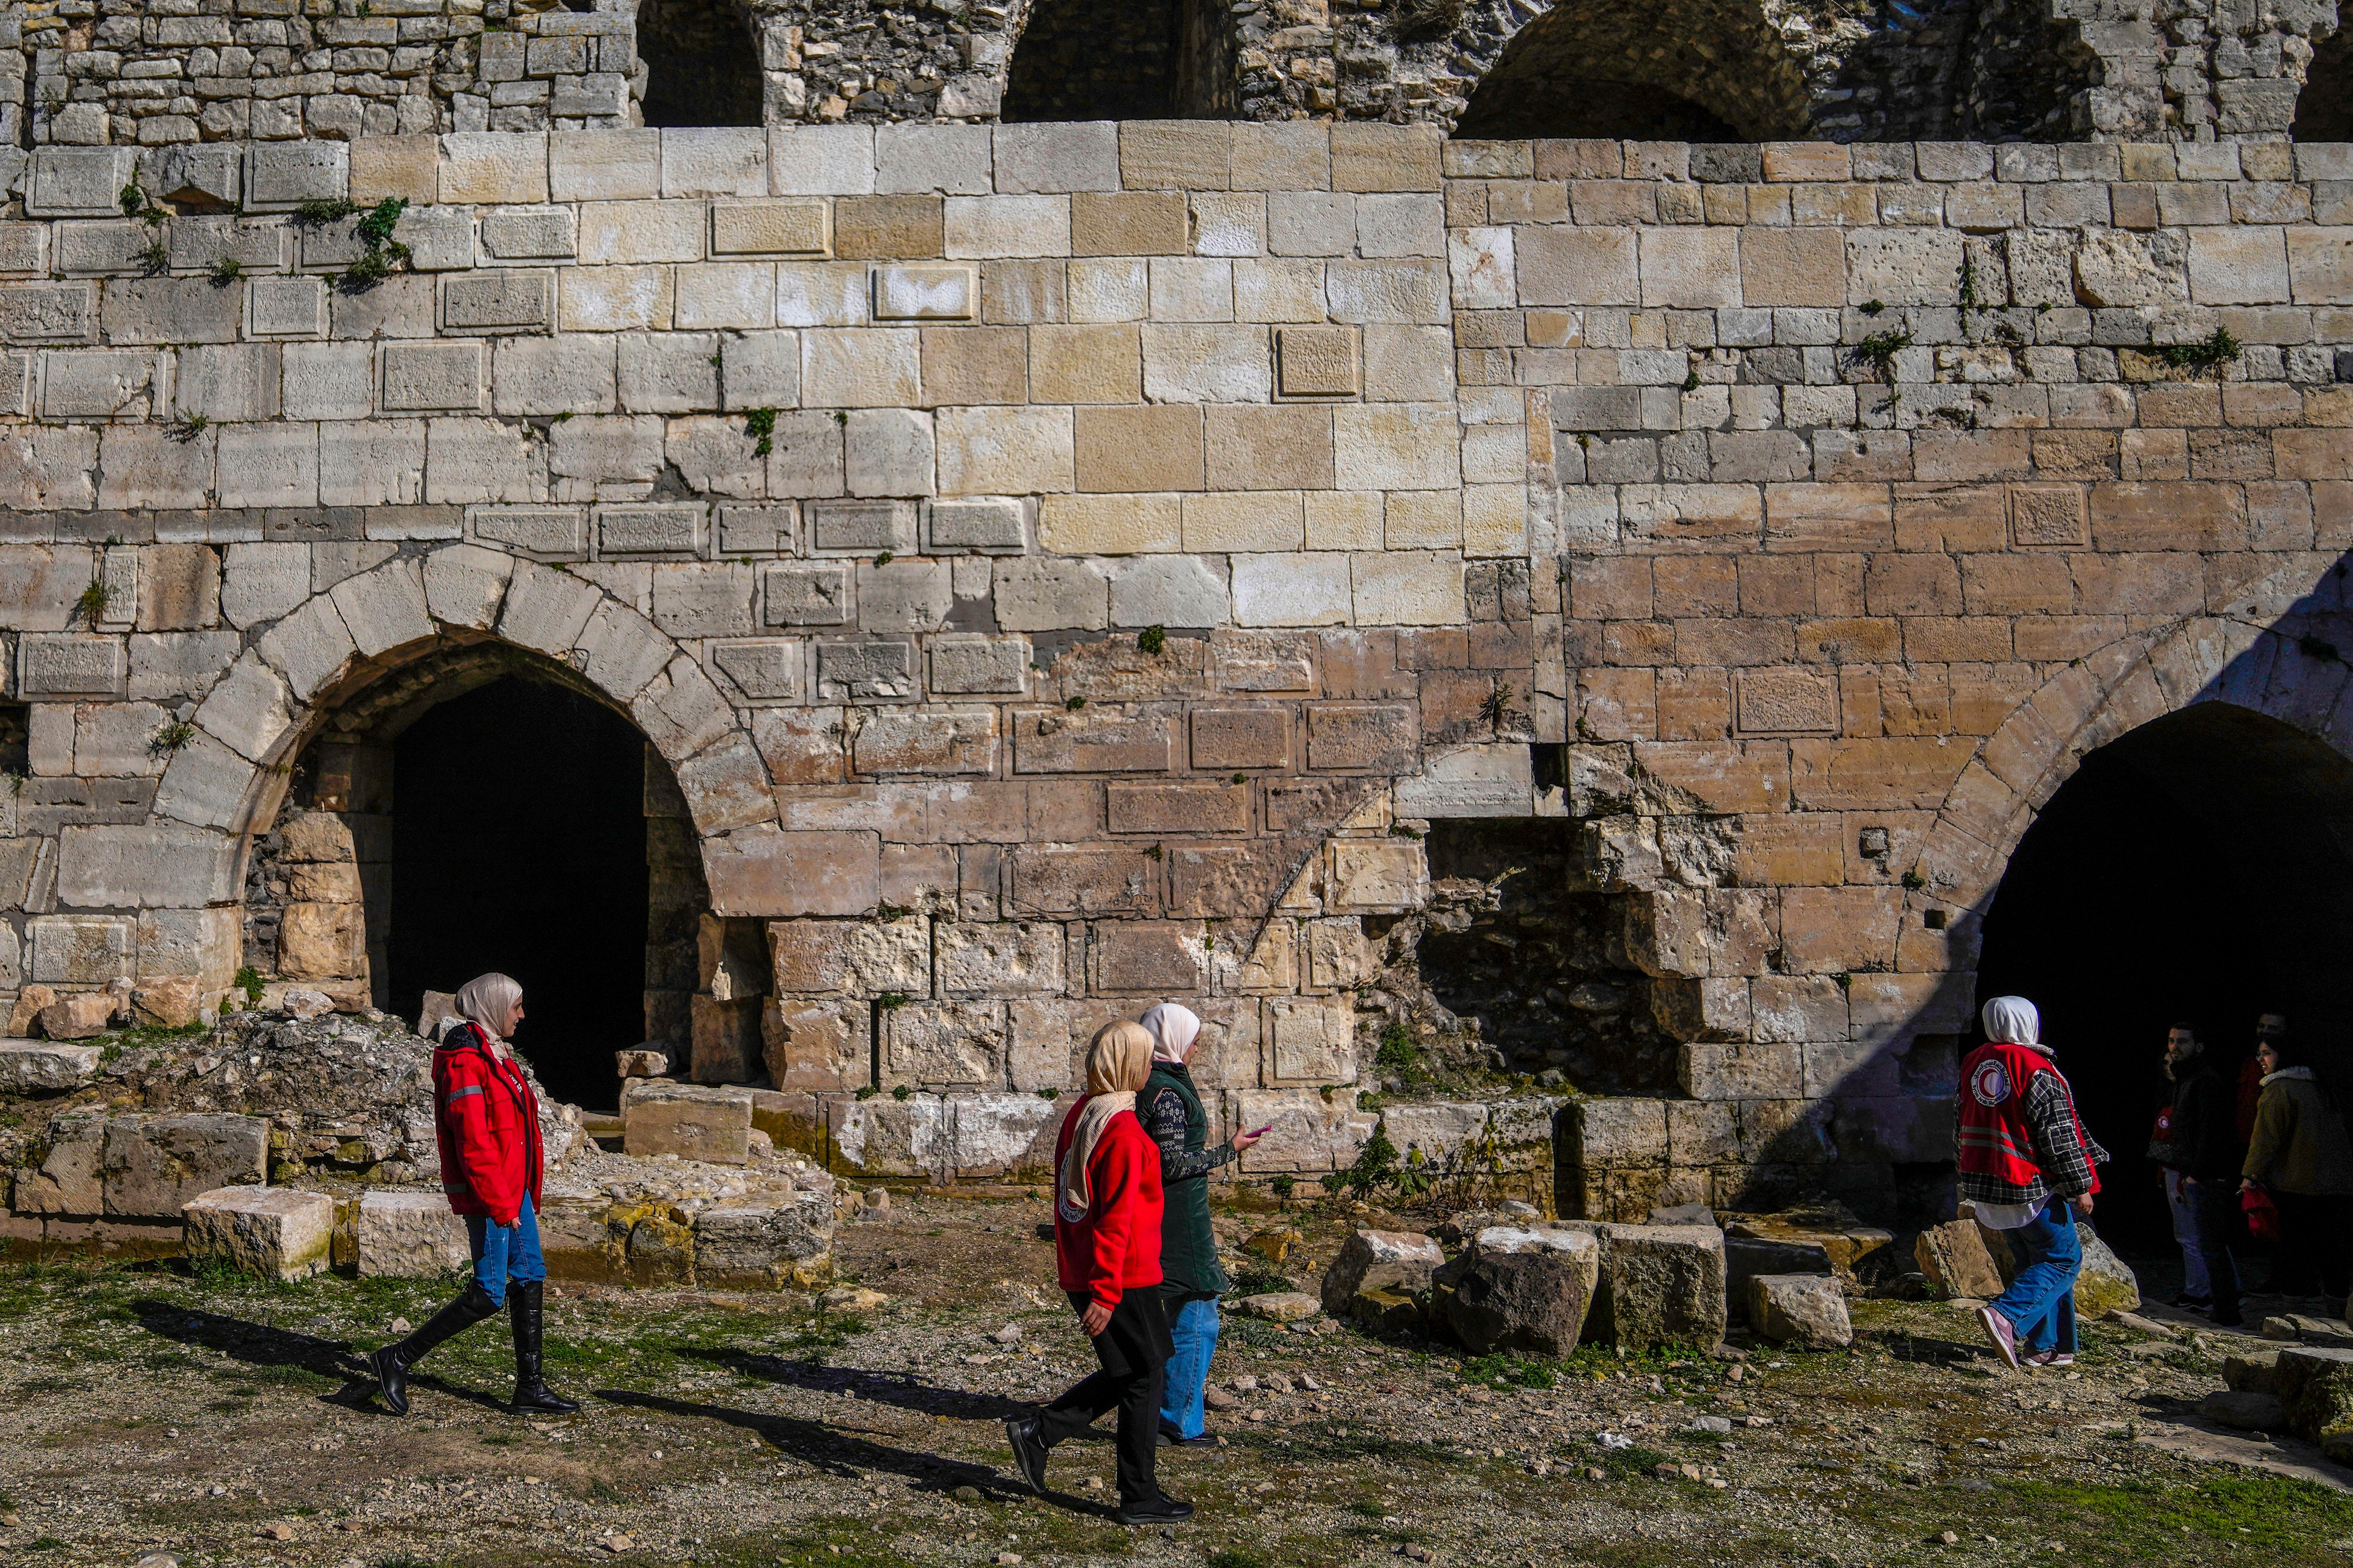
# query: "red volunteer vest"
(1995, 1140)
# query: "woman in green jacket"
(1170, 1108)
(2301, 1155)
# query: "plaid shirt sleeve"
(2066, 1161)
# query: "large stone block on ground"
(2105, 1283)
(1523, 1288)
(764, 1247)
(576, 1236)
(154, 1165)
(1799, 1309)
(2316, 1385)
(1845, 1246)
(1392, 1260)
(1660, 1284)
(79, 1015)
(29, 1066)
(273, 1233)
(691, 1121)
(2245, 1412)
(405, 1235)
(1954, 1258)
(69, 1181)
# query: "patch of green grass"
(46, 1544)
(1509, 1372)
(1240, 1557)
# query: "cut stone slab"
(2315, 1385)
(1282, 1306)
(270, 1231)
(409, 1235)
(761, 1248)
(28, 1066)
(1845, 1244)
(78, 1016)
(2252, 1371)
(2246, 1412)
(1390, 1261)
(2302, 1328)
(1954, 1258)
(30, 1002)
(1660, 1284)
(1526, 1287)
(1799, 1309)
(174, 1001)
(154, 1165)
(690, 1120)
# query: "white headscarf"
(2012, 1019)
(486, 1000)
(1174, 1028)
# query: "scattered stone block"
(154, 1165)
(2106, 1282)
(27, 1013)
(29, 1066)
(1524, 1288)
(1802, 1308)
(1954, 1258)
(760, 1247)
(643, 1062)
(1282, 1306)
(690, 1120)
(78, 1016)
(174, 1001)
(408, 1235)
(69, 1181)
(852, 1299)
(273, 1233)
(1660, 1283)
(1395, 1262)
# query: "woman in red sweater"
(1107, 1251)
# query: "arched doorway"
(1624, 68)
(702, 63)
(519, 844)
(479, 806)
(2200, 869)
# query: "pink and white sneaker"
(2050, 1359)
(2004, 1337)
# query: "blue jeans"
(502, 1253)
(2183, 1201)
(1193, 1325)
(2041, 1302)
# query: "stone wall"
(1064, 566)
(154, 72)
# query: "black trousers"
(1133, 1349)
(2312, 1244)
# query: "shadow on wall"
(702, 63)
(2198, 868)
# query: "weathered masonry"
(1054, 567)
(160, 72)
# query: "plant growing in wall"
(760, 425)
(2211, 353)
(169, 738)
(90, 608)
(382, 252)
(1878, 352)
(228, 270)
(185, 427)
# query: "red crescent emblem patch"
(1989, 1083)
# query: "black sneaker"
(1154, 1510)
(2188, 1302)
(1029, 1451)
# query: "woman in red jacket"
(487, 1122)
(1107, 1250)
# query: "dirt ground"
(143, 1410)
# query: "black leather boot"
(391, 1364)
(532, 1392)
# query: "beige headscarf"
(486, 1000)
(1174, 1028)
(1119, 1060)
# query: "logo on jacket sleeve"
(1990, 1083)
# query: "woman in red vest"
(2027, 1168)
(487, 1121)
(1107, 1214)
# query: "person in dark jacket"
(2302, 1155)
(2196, 1141)
(1190, 1275)
(1107, 1255)
(486, 1119)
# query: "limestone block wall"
(1065, 566)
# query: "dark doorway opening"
(1156, 59)
(703, 64)
(2195, 871)
(1624, 68)
(2324, 109)
(519, 845)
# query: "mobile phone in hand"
(1261, 1131)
